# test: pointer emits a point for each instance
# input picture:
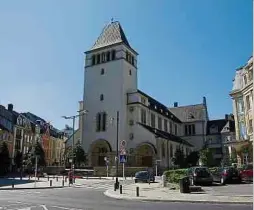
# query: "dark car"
(144, 176)
(247, 172)
(200, 175)
(226, 175)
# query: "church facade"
(117, 109)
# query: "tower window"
(104, 120)
(108, 56)
(132, 60)
(93, 60)
(113, 54)
(127, 55)
(102, 71)
(98, 59)
(130, 72)
(98, 122)
(103, 57)
(101, 97)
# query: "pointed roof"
(111, 34)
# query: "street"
(90, 199)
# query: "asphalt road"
(90, 199)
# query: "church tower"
(110, 73)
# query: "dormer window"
(113, 54)
(108, 56)
(93, 60)
(98, 59)
(103, 57)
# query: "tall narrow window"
(113, 54)
(143, 116)
(170, 127)
(163, 149)
(176, 129)
(101, 97)
(93, 60)
(108, 56)
(98, 122)
(98, 59)
(153, 120)
(186, 130)
(248, 102)
(102, 71)
(193, 129)
(171, 151)
(127, 55)
(250, 126)
(165, 125)
(130, 72)
(159, 123)
(132, 60)
(103, 57)
(104, 121)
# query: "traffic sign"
(123, 158)
(122, 152)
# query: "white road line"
(60, 207)
(44, 207)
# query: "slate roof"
(190, 113)
(111, 34)
(158, 107)
(223, 126)
(166, 135)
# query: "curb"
(30, 188)
(106, 193)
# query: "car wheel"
(222, 181)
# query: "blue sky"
(187, 49)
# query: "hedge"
(173, 176)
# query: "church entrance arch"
(99, 149)
(145, 153)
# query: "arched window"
(101, 121)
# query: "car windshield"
(202, 171)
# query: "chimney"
(10, 107)
(175, 104)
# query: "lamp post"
(82, 112)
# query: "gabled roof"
(190, 113)
(223, 126)
(166, 135)
(111, 34)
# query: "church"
(148, 133)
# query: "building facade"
(117, 109)
(242, 97)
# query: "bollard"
(12, 184)
(48, 178)
(121, 189)
(63, 183)
(57, 178)
(137, 191)
(50, 183)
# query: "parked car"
(144, 176)
(200, 175)
(246, 172)
(226, 175)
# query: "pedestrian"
(70, 176)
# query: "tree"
(79, 154)
(206, 157)
(18, 159)
(192, 158)
(5, 159)
(179, 158)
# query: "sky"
(187, 49)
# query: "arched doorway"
(145, 153)
(99, 150)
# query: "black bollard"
(137, 191)
(48, 178)
(12, 184)
(50, 183)
(57, 178)
(63, 183)
(121, 189)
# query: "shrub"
(173, 176)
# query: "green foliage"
(192, 159)
(173, 176)
(18, 159)
(30, 157)
(179, 158)
(5, 159)
(79, 154)
(206, 157)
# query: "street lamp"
(81, 112)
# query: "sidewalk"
(154, 192)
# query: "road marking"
(60, 207)
(44, 207)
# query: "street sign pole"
(123, 171)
